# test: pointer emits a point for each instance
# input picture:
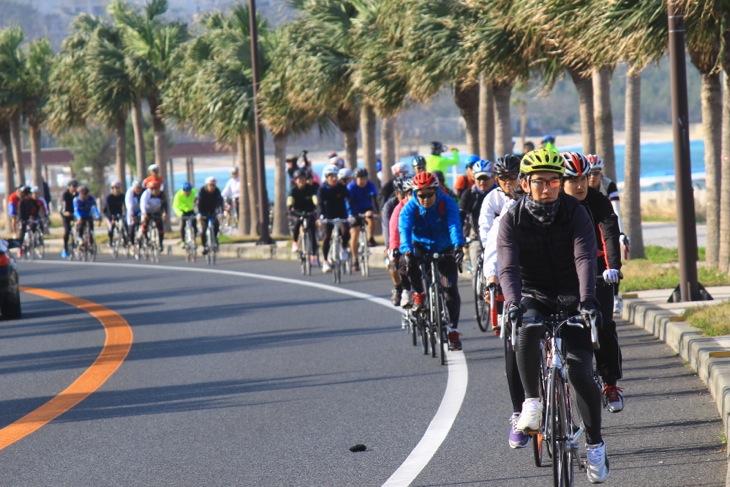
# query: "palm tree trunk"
(503, 123)
(35, 154)
(367, 125)
(387, 146)
(467, 99)
(603, 117)
(348, 120)
(631, 199)
(486, 118)
(17, 148)
(711, 93)
(139, 146)
(244, 215)
(7, 169)
(584, 86)
(724, 253)
(121, 152)
(281, 226)
(253, 182)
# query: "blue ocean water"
(657, 161)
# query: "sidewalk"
(708, 356)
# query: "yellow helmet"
(542, 160)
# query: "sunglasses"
(509, 177)
(541, 184)
(483, 178)
(426, 195)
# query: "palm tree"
(11, 91)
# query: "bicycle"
(33, 244)
(306, 244)
(148, 243)
(560, 430)
(438, 317)
(415, 324)
(119, 239)
(337, 263)
(211, 240)
(191, 247)
(478, 284)
(229, 225)
(86, 248)
(363, 250)
(496, 305)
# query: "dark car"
(9, 290)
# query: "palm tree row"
(344, 63)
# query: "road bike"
(33, 245)
(479, 286)
(305, 243)
(437, 314)
(561, 426)
(363, 250)
(335, 257)
(119, 241)
(211, 240)
(148, 243)
(229, 225)
(85, 250)
(191, 247)
(496, 306)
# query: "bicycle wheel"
(189, 244)
(116, 240)
(539, 439)
(559, 431)
(27, 246)
(483, 312)
(434, 318)
(307, 250)
(40, 245)
(209, 237)
(444, 322)
(424, 330)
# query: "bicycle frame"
(335, 253)
(438, 314)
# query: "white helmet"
(330, 169)
(345, 173)
(153, 167)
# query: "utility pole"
(689, 288)
(263, 230)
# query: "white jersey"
(131, 201)
(232, 189)
(150, 204)
(491, 266)
(491, 208)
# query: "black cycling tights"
(516, 391)
(577, 342)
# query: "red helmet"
(153, 184)
(424, 180)
(575, 164)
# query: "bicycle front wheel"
(482, 309)
(307, 250)
(559, 431)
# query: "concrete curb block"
(691, 345)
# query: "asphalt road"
(234, 380)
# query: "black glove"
(459, 256)
(587, 306)
(407, 260)
(514, 313)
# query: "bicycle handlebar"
(580, 320)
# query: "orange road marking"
(119, 338)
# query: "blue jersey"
(361, 199)
(85, 208)
(437, 228)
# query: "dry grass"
(712, 319)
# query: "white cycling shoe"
(597, 463)
(530, 415)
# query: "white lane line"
(451, 402)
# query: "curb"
(708, 356)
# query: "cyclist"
(14, 206)
(608, 356)
(45, 213)
(430, 222)
(419, 164)
(154, 175)
(210, 205)
(131, 203)
(337, 161)
(114, 208)
(548, 143)
(399, 170)
(401, 293)
(345, 176)
(470, 207)
(29, 213)
(183, 205)
(547, 248)
(598, 181)
(496, 204)
(153, 206)
(333, 199)
(466, 181)
(363, 201)
(231, 192)
(85, 211)
(302, 199)
(67, 213)
(436, 162)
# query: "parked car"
(9, 290)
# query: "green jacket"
(441, 163)
(184, 204)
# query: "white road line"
(451, 402)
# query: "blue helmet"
(483, 166)
(471, 160)
(187, 186)
(548, 138)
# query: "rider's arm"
(393, 233)
(508, 257)
(405, 226)
(374, 196)
(77, 213)
(144, 201)
(176, 202)
(453, 219)
(584, 252)
(609, 232)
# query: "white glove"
(610, 276)
(624, 239)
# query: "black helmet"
(418, 161)
(72, 182)
(25, 190)
(437, 147)
(299, 173)
(507, 164)
(84, 189)
(361, 173)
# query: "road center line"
(451, 402)
(118, 341)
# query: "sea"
(657, 168)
